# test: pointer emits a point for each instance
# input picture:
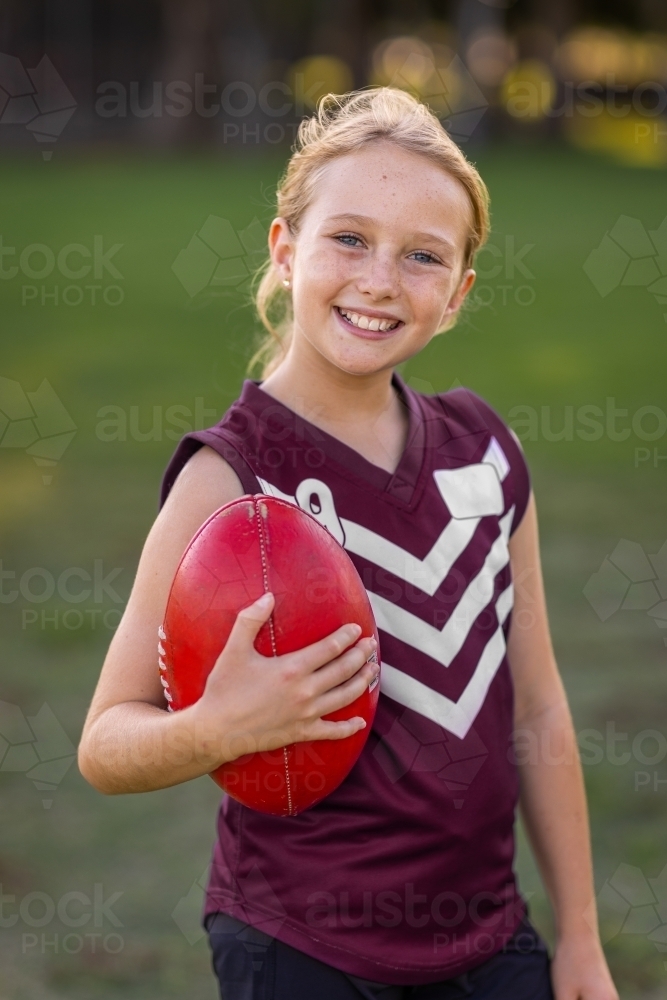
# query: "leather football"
(250, 546)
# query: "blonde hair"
(341, 124)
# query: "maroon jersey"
(404, 874)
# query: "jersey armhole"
(191, 443)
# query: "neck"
(322, 393)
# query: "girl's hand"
(254, 703)
(579, 970)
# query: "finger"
(338, 671)
(249, 621)
(318, 653)
(345, 694)
(324, 729)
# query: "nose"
(379, 278)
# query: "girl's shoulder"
(222, 451)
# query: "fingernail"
(355, 630)
(264, 599)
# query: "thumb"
(249, 621)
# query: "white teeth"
(368, 323)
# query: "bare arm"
(130, 743)
(553, 801)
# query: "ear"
(457, 299)
(281, 247)
(449, 314)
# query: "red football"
(250, 546)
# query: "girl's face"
(377, 266)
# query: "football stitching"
(162, 635)
(265, 575)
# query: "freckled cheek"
(428, 299)
(324, 274)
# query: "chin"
(360, 357)
(362, 366)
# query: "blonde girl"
(400, 883)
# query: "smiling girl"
(400, 883)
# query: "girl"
(400, 883)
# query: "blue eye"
(348, 236)
(427, 258)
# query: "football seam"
(265, 577)
(162, 666)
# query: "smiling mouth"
(372, 323)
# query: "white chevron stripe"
(427, 574)
(444, 644)
(455, 716)
(505, 603)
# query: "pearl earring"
(286, 282)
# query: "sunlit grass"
(159, 348)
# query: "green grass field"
(540, 337)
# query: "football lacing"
(161, 651)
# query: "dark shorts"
(250, 965)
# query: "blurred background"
(140, 146)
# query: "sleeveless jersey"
(404, 874)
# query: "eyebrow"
(420, 235)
